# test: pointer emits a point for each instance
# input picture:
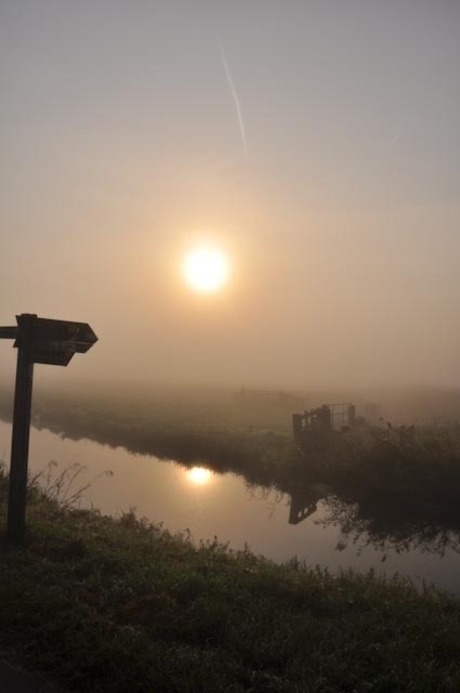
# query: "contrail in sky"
(235, 97)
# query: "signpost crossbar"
(8, 332)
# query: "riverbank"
(418, 467)
(98, 604)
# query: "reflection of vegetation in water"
(361, 529)
(398, 486)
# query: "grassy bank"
(118, 605)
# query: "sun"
(206, 269)
(199, 475)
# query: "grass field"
(99, 604)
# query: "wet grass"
(100, 604)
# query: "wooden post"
(21, 426)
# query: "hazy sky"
(316, 141)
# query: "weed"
(60, 486)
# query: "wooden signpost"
(38, 340)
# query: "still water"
(210, 505)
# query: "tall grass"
(63, 486)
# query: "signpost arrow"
(38, 340)
(79, 334)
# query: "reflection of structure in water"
(304, 502)
(300, 509)
(328, 417)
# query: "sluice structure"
(324, 419)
